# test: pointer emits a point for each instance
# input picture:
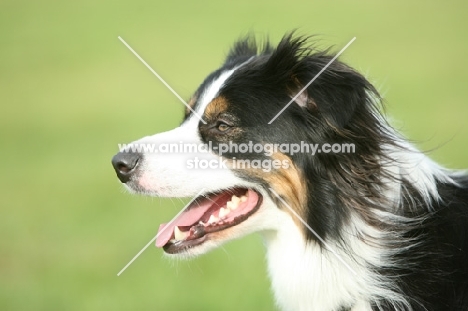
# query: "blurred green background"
(70, 91)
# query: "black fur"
(429, 265)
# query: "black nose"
(125, 164)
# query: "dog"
(381, 227)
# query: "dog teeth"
(223, 212)
(179, 235)
(234, 203)
(231, 206)
(235, 199)
(213, 219)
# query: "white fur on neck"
(306, 277)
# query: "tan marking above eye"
(215, 107)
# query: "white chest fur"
(306, 277)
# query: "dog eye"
(222, 127)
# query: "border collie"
(380, 228)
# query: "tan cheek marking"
(286, 182)
(215, 107)
(289, 184)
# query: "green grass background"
(70, 91)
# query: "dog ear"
(338, 92)
(335, 93)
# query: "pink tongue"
(187, 218)
(194, 214)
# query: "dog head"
(227, 151)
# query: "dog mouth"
(208, 214)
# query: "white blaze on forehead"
(210, 92)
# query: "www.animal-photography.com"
(263, 155)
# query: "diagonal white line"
(157, 235)
(161, 79)
(313, 231)
(313, 79)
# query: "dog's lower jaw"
(305, 276)
(196, 251)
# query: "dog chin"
(196, 251)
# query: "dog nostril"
(123, 168)
(125, 164)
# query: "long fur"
(392, 223)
